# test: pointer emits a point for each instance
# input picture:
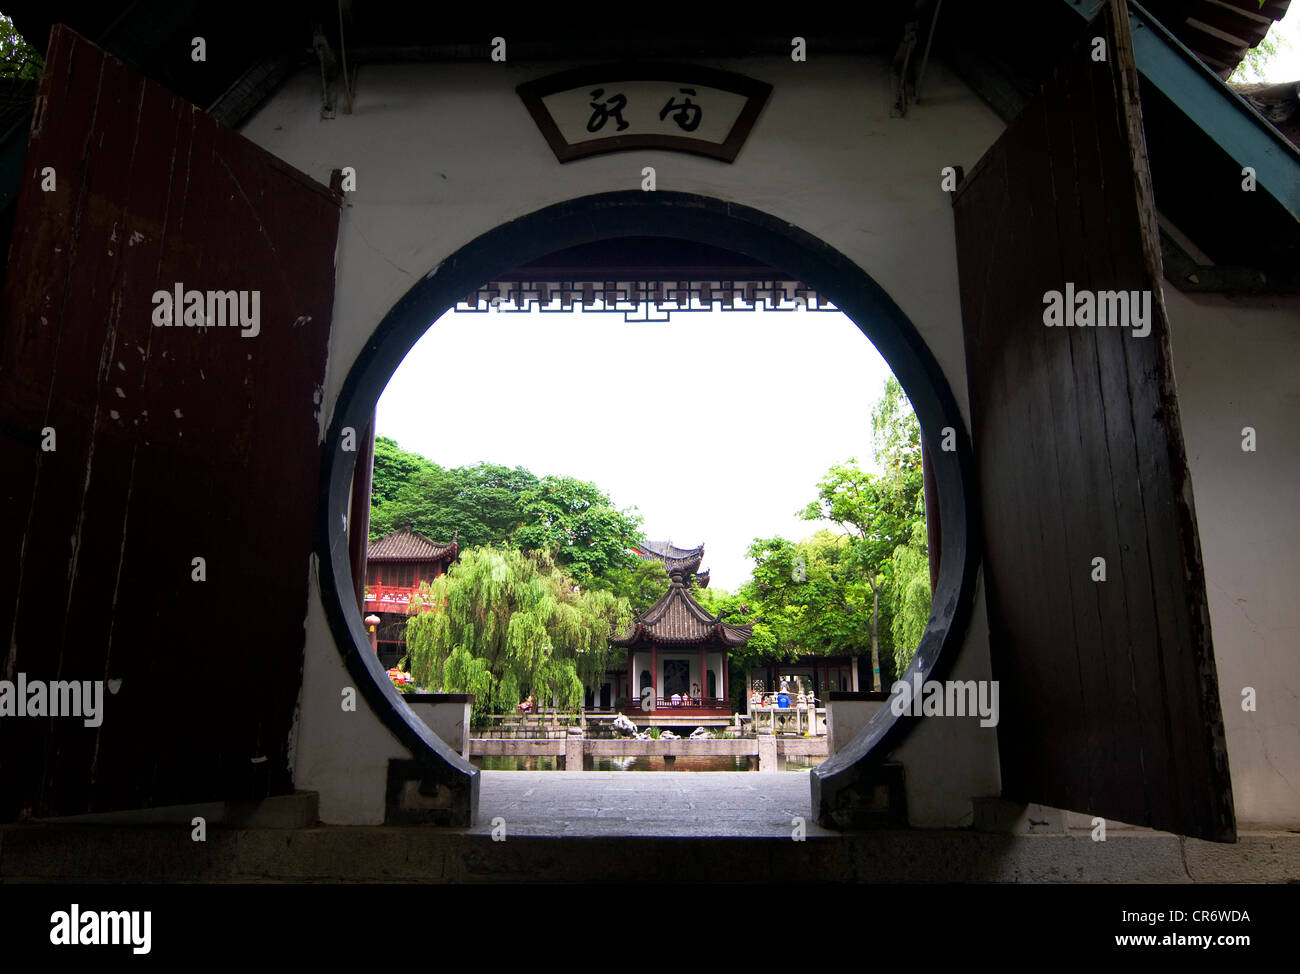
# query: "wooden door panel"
(172, 443)
(1109, 694)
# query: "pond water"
(640, 763)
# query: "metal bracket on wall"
(899, 70)
(1182, 270)
(329, 69)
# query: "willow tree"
(504, 624)
(909, 593)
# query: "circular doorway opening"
(683, 217)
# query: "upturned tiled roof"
(678, 620)
(675, 559)
(666, 549)
(407, 545)
(1219, 32)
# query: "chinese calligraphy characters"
(686, 115)
(601, 113)
(684, 118)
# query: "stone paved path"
(646, 803)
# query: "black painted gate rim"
(702, 219)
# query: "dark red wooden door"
(171, 443)
(1109, 695)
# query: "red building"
(396, 564)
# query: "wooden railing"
(391, 598)
(692, 703)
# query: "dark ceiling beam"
(634, 46)
(256, 85)
(992, 81)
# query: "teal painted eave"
(1215, 108)
(1087, 9)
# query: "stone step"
(298, 810)
(63, 853)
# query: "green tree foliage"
(738, 608)
(642, 583)
(880, 513)
(489, 498)
(505, 623)
(909, 588)
(18, 59)
(576, 522)
(393, 468)
(804, 597)
(482, 504)
(733, 607)
(1254, 66)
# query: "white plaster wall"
(1235, 362)
(343, 755)
(845, 718)
(947, 761)
(449, 720)
(445, 152)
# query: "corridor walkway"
(646, 803)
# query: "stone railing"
(801, 721)
(446, 714)
(847, 712)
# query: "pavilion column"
(654, 675)
(631, 687)
(704, 674)
(726, 677)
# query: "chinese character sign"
(699, 110)
(644, 108)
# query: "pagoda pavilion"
(814, 673)
(677, 651)
(396, 565)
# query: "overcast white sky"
(717, 426)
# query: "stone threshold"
(57, 853)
